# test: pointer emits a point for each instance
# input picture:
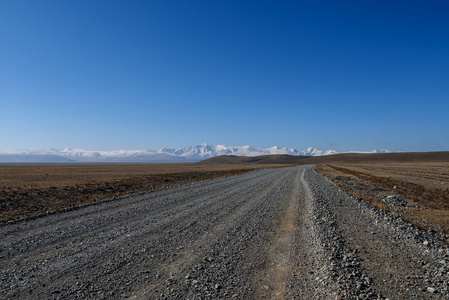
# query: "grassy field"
(422, 179)
(33, 189)
(424, 187)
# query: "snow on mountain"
(315, 152)
(204, 151)
(186, 154)
(80, 155)
(373, 151)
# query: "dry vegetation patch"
(33, 189)
(417, 192)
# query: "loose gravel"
(286, 233)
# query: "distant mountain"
(204, 151)
(186, 154)
(315, 152)
(373, 151)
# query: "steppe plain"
(417, 192)
(34, 189)
(276, 233)
(411, 186)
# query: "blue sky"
(108, 75)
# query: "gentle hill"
(336, 158)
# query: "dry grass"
(33, 189)
(424, 184)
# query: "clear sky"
(109, 75)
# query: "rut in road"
(267, 234)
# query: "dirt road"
(273, 233)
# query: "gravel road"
(285, 233)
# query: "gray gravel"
(285, 233)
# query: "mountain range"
(186, 154)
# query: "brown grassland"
(34, 189)
(422, 178)
(425, 185)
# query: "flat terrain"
(412, 186)
(269, 234)
(33, 189)
(415, 191)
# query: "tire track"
(280, 264)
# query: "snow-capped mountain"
(373, 151)
(315, 152)
(204, 151)
(186, 154)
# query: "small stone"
(425, 243)
(431, 290)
